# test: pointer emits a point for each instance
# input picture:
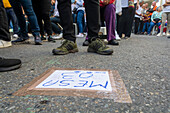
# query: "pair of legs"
(80, 22)
(27, 6)
(145, 26)
(42, 11)
(93, 22)
(11, 16)
(138, 25)
(125, 21)
(152, 24)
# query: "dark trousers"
(11, 16)
(4, 28)
(93, 18)
(27, 6)
(125, 21)
(138, 25)
(42, 10)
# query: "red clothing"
(102, 4)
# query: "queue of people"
(117, 16)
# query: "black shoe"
(113, 42)
(43, 37)
(50, 39)
(168, 37)
(20, 40)
(37, 40)
(86, 43)
(9, 64)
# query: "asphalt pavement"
(142, 61)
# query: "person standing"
(93, 22)
(27, 7)
(42, 10)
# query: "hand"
(153, 21)
(160, 21)
(120, 13)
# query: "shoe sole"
(64, 53)
(38, 43)
(93, 51)
(4, 69)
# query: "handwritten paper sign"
(68, 79)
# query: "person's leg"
(151, 27)
(168, 24)
(130, 19)
(93, 18)
(27, 6)
(4, 28)
(14, 21)
(122, 22)
(141, 26)
(144, 27)
(80, 16)
(164, 17)
(64, 7)
(136, 25)
(45, 13)
(21, 19)
(55, 27)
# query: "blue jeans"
(11, 16)
(152, 25)
(80, 18)
(145, 26)
(55, 27)
(27, 6)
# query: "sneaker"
(117, 37)
(86, 43)
(43, 37)
(15, 36)
(167, 34)
(50, 39)
(98, 46)
(58, 37)
(160, 34)
(66, 47)
(80, 35)
(4, 44)
(37, 40)
(9, 64)
(168, 37)
(20, 40)
(113, 42)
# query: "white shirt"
(139, 11)
(167, 8)
(124, 3)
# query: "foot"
(4, 44)
(160, 34)
(20, 39)
(50, 39)
(37, 40)
(86, 43)
(80, 35)
(15, 36)
(58, 37)
(113, 42)
(43, 38)
(126, 38)
(167, 34)
(168, 37)
(9, 64)
(98, 46)
(66, 47)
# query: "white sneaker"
(80, 35)
(58, 37)
(167, 34)
(160, 34)
(117, 36)
(4, 44)
(15, 36)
